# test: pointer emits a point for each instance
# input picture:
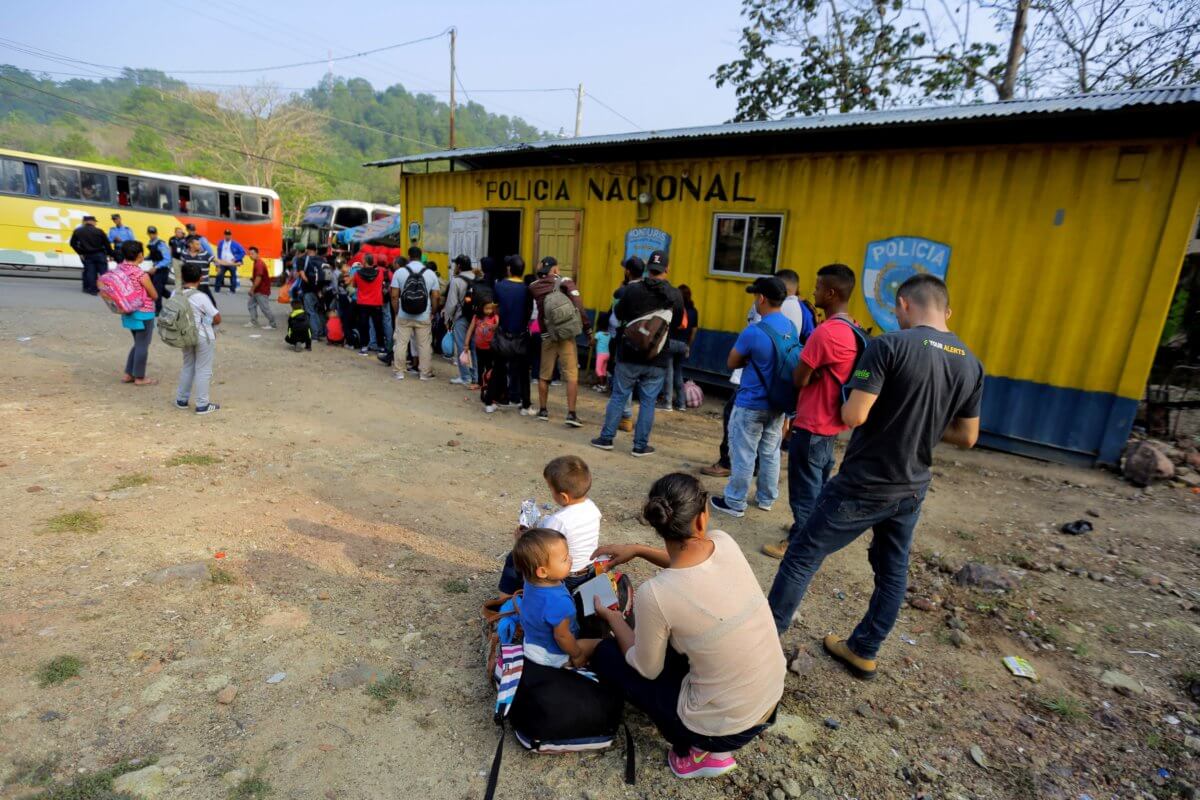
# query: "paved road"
(19, 292)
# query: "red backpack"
(121, 291)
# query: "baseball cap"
(634, 265)
(228, 232)
(548, 263)
(769, 287)
(657, 261)
(152, 229)
(88, 218)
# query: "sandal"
(145, 382)
(127, 379)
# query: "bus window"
(64, 182)
(350, 217)
(148, 193)
(185, 198)
(379, 213)
(251, 206)
(95, 187)
(20, 177)
(223, 203)
(123, 190)
(204, 201)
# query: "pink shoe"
(699, 764)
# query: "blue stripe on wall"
(1033, 419)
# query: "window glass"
(96, 187)
(64, 182)
(19, 177)
(730, 241)
(350, 217)
(204, 201)
(746, 244)
(149, 193)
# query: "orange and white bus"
(44, 198)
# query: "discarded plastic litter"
(1020, 667)
(1143, 653)
(908, 640)
(1077, 527)
(277, 677)
(24, 338)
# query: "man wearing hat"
(158, 253)
(119, 233)
(94, 250)
(647, 372)
(555, 350)
(230, 255)
(755, 428)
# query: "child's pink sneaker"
(699, 764)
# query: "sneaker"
(572, 421)
(639, 452)
(208, 409)
(716, 471)
(526, 411)
(721, 505)
(427, 378)
(457, 382)
(543, 415)
(602, 443)
(385, 359)
(556, 383)
(680, 408)
(398, 376)
(859, 667)
(699, 764)
(626, 424)
(181, 404)
(512, 404)
(762, 507)
(249, 325)
(412, 369)
(776, 550)
(489, 409)
(362, 351)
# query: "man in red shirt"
(825, 365)
(260, 291)
(368, 284)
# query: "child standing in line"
(196, 376)
(481, 331)
(603, 340)
(298, 331)
(577, 519)
(547, 611)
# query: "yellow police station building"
(1059, 225)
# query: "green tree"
(74, 145)
(148, 151)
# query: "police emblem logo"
(889, 263)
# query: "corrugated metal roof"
(1098, 102)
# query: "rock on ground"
(145, 783)
(1122, 683)
(985, 577)
(1146, 463)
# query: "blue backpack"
(781, 390)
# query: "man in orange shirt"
(260, 291)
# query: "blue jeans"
(233, 279)
(810, 460)
(316, 320)
(649, 381)
(466, 374)
(837, 520)
(753, 434)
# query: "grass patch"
(1164, 744)
(96, 786)
(391, 689)
(193, 460)
(1082, 650)
(1064, 706)
(1111, 630)
(253, 788)
(76, 522)
(966, 536)
(1189, 676)
(967, 685)
(33, 772)
(221, 577)
(456, 586)
(57, 670)
(130, 481)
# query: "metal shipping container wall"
(1061, 264)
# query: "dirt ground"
(350, 520)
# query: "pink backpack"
(693, 396)
(121, 291)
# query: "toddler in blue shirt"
(547, 610)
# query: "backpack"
(314, 271)
(121, 292)
(646, 335)
(781, 390)
(478, 294)
(860, 341)
(177, 321)
(693, 395)
(414, 297)
(562, 318)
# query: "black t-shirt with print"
(924, 379)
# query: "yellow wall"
(1078, 305)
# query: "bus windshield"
(318, 215)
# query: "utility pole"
(1016, 47)
(453, 34)
(578, 110)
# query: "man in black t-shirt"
(911, 388)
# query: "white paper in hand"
(599, 586)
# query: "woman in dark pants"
(139, 322)
(704, 662)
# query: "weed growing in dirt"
(219, 576)
(95, 786)
(389, 690)
(130, 481)
(456, 586)
(253, 788)
(1064, 705)
(966, 536)
(1082, 650)
(1110, 629)
(193, 460)
(1164, 744)
(33, 772)
(76, 522)
(1189, 676)
(57, 670)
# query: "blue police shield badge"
(641, 242)
(889, 263)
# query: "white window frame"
(718, 216)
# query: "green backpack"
(176, 322)
(562, 319)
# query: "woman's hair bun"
(658, 512)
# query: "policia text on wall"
(662, 188)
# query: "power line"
(592, 95)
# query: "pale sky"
(649, 60)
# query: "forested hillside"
(305, 146)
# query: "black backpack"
(479, 293)
(414, 296)
(860, 341)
